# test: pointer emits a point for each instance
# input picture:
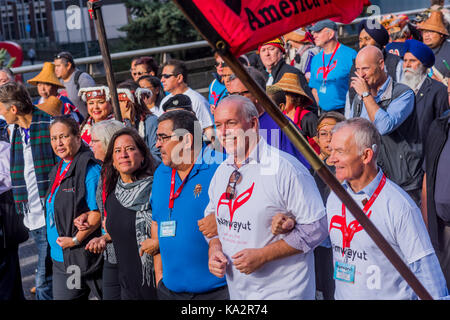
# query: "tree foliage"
(156, 23)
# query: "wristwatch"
(75, 241)
(365, 94)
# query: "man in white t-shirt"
(361, 270)
(256, 182)
(174, 79)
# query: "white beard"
(413, 78)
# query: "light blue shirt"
(395, 114)
(399, 220)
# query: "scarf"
(136, 196)
(43, 159)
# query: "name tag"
(167, 229)
(323, 89)
(344, 272)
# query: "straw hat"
(299, 35)
(434, 23)
(47, 75)
(289, 83)
(52, 106)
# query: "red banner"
(244, 24)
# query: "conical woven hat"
(289, 83)
(52, 106)
(47, 75)
(434, 23)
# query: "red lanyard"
(104, 197)
(354, 227)
(59, 177)
(326, 69)
(175, 195)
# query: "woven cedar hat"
(289, 83)
(52, 106)
(299, 35)
(47, 75)
(434, 23)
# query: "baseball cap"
(327, 23)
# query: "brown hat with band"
(47, 75)
(434, 23)
(289, 82)
(52, 106)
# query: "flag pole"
(95, 12)
(197, 19)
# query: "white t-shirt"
(400, 222)
(276, 183)
(200, 106)
(34, 219)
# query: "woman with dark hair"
(77, 171)
(128, 176)
(135, 114)
(154, 85)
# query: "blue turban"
(421, 51)
(376, 31)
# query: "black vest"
(400, 155)
(70, 202)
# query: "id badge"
(167, 229)
(344, 272)
(323, 89)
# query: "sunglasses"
(167, 76)
(140, 73)
(231, 187)
(222, 64)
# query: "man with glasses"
(174, 79)
(73, 79)
(253, 184)
(181, 267)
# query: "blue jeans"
(44, 289)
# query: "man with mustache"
(431, 95)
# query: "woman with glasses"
(136, 114)
(128, 175)
(154, 85)
(217, 89)
(144, 66)
(99, 108)
(73, 182)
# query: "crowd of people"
(205, 198)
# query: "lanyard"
(173, 194)
(104, 197)
(59, 177)
(326, 70)
(354, 227)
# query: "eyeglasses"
(140, 73)
(167, 76)
(231, 187)
(222, 64)
(242, 93)
(163, 137)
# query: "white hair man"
(253, 184)
(361, 270)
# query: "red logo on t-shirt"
(234, 204)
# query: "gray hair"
(104, 130)
(248, 110)
(365, 133)
(8, 73)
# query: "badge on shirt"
(344, 272)
(323, 89)
(167, 229)
(197, 190)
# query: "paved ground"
(28, 261)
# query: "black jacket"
(431, 103)
(436, 139)
(70, 202)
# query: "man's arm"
(156, 258)
(217, 260)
